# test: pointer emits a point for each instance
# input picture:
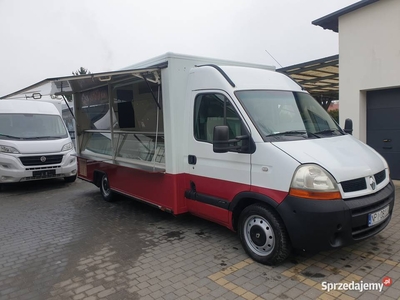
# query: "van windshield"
(285, 115)
(31, 127)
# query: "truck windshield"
(31, 126)
(285, 115)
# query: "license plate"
(378, 216)
(44, 173)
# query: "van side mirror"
(221, 139)
(222, 143)
(348, 126)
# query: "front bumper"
(13, 170)
(316, 225)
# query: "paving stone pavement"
(62, 241)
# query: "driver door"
(214, 178)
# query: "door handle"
(387, 140)
(192, 159)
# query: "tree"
(334, 114)
(81, 71)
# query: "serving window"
(123, 122)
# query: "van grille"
(363, 232)
(38, 160)
(361, 207)
(379, 177)
(354, 185)
(360, 183)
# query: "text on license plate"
(44, 173)
(378, 216)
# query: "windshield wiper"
(50, 137)
(11, 136)
(325, 131)
(290, 132)
(42, 137)
(294, 132)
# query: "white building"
(369, 77)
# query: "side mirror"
(221, 139)
(348, 126)
(222, 143)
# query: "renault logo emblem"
(372, 182)
(43, 159)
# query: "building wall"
(369, 47)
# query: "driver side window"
(212, 110)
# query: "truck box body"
(238, 144)
(170, 187)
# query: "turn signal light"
(315, 195)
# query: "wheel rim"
(259, 235)
(106, 187)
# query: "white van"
(235, 143)
(34, 143)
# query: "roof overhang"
(331, 21)
(319, 77)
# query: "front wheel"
(263, 235)
(105, 189)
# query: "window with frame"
(213, 109)
(132, 130)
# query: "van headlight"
(313, 182)
(8, 149)
(67, 147)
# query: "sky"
(46, 38)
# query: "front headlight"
(67, 147)
(313, 182)
(8, 149)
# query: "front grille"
(361, 207)
(360, 183)
(369, 208)
(354, 185)
(38, 160)
(363, 232)
(379, 177)
(42, 168)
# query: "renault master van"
(235, 143)
(34, 143)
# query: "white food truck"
(238, 144)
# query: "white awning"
(74, 84)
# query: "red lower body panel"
(164, 190)
(168, 190)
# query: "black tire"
(105, 190)
(70, 179)
(263, 235)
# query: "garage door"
(383, 126)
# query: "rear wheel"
(105, 189)
(263, 235)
